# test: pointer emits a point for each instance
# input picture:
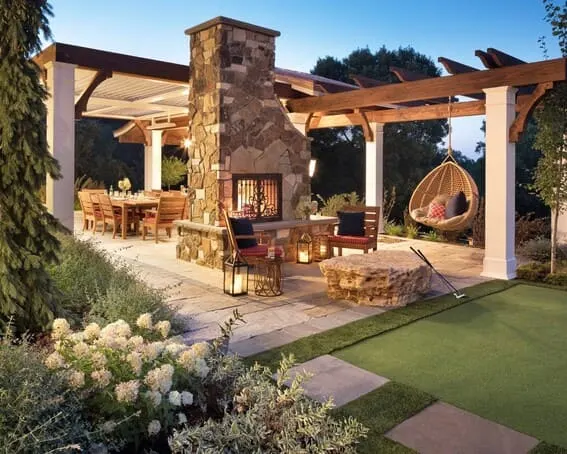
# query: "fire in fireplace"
(257, 196)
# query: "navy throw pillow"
(243, 226)
(351, 223)
(456, 205)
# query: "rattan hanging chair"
(446, 179)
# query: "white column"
(155, 172)
(561, 227)
(499, 252)
(60, 194)
(148, 167)
(374, 191)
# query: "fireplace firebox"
(257, 196)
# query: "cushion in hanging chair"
(447, 179)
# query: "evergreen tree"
(27, 242)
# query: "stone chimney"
(237, 123)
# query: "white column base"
(499, 268)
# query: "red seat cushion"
(260, 250)
(351, 239)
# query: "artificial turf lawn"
(502, 356)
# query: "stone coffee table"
(383, 278)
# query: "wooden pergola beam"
(486, 59)
(454, 67)
(439, 87)
(366, 82)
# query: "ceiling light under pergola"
(161, 125)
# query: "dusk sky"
(315, 28)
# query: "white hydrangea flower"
(101, 377)
(55, 361)
(77, 337)
(194, 363)
(186, 398)
(91, 332)
(181, 418)
(160, 378)
(114, 342)
(174, 349)
(201, 368)
(76, 379)
(135, 342)
(153, 350)
(81, 349)
(154, 397)
(163, 328)
(127, 391)
(135, 361)
(154, 427)
(118, 328)
(201, 349)
(175, 398)
(98, 359)
(144, 321)
(61, 329)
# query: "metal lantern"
(235, 271)
(305, 249)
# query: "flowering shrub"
(269, 417)
(135, 381)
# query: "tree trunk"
(554, 237)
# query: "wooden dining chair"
(91, 213)
(111, 216)
(170, 208)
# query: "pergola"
(152, 97)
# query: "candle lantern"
(235, 271)
(305, 249)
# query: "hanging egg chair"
(448, 179)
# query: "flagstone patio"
(302, 310)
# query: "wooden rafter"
(503, 59)
(474, 82)
(81, 103)
(486, 59)
(366, 82)
(454, 67)
(526, 108)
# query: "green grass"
(382, 410)
(501, 356)
(327, 342)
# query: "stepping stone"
(444, 429)
(260, 343)
(333, 377)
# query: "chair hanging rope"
(447, 179)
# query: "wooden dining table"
(128, 204)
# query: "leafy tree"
(173, 170)
(410, 149)
(551, 139)
(27, 242)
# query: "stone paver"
(336, 378)
(304, 308)
(444, 429)
(251, 346)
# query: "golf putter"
(456, 292)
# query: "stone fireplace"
(257, 196)
(244, 150)
(239, 127)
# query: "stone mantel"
(260, 226)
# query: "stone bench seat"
(383, 278)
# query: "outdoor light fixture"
(322, 247)
(235, 271)
(187, 142)
(312, 165)
(305, 249)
